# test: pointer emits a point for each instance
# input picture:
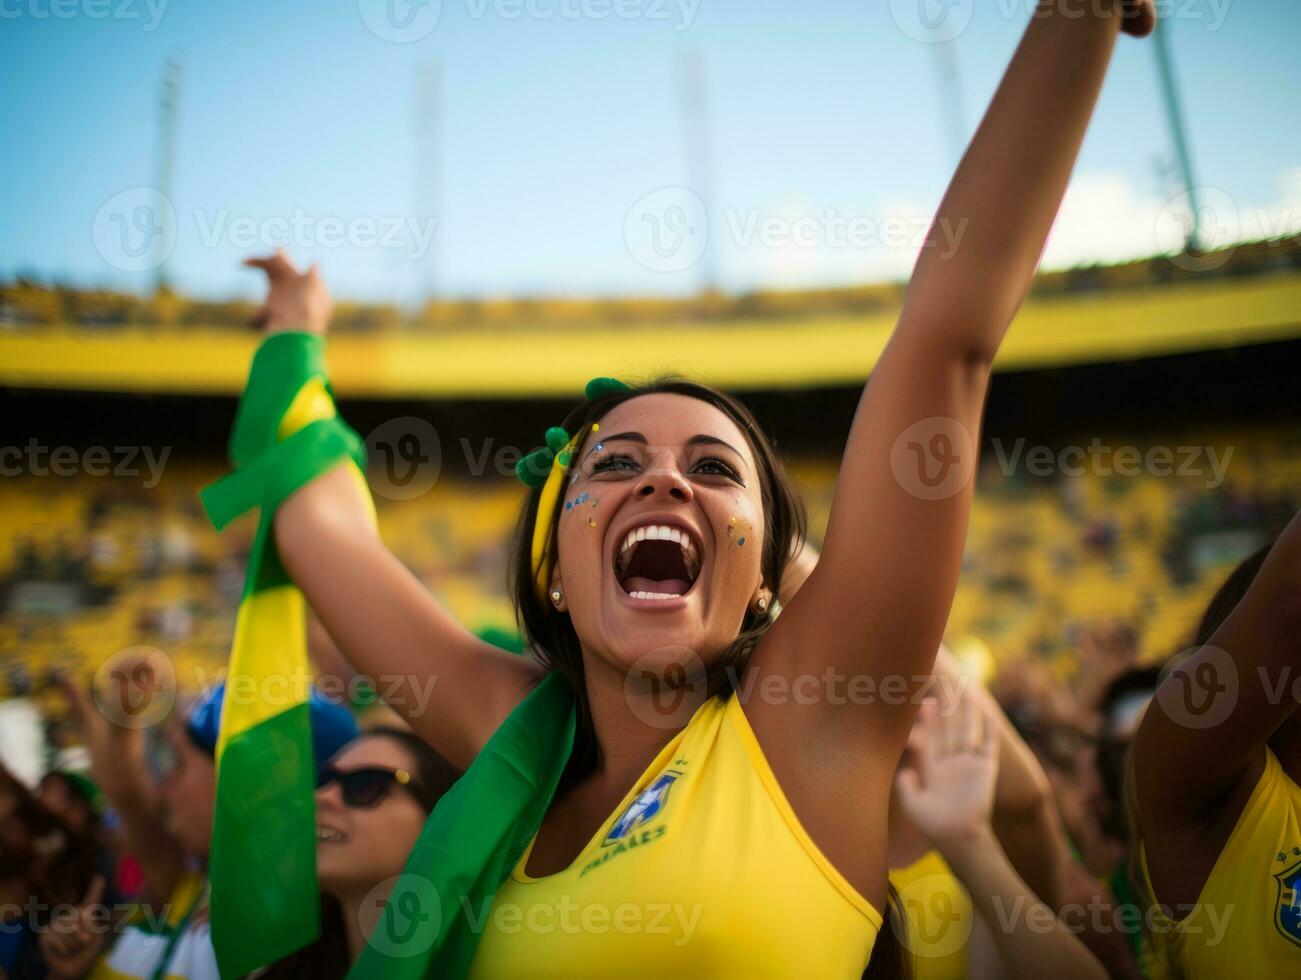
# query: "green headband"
(546, 468)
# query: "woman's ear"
(761, 600)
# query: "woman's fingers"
(275, 266)
(1138, 17)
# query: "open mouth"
(328, 835)
(657, 561)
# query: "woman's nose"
(663, 479)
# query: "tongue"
(669, 586)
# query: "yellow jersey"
(1247, 920)
(182, 945)
(702, 870)
(937, 910)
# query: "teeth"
(654, 595)
(325, 834)
(659, 532)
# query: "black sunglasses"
(369, 787)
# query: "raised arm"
(948, 794)
(119, 767)
(454, 688)
(1200, 748)
(879, 598)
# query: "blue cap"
(333, 725)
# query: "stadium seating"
(89, 570)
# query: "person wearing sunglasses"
(372, 800)
(163, 788)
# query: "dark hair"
(1230, 594)
(432, 771)
(890, 959)
(551, 634)
(1111, 754)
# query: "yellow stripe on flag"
(268, 669)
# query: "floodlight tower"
(697, 141)
(168, 105)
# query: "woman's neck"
(633, 722)
(351, 906)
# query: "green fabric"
(262, 866)
(282, 365)
(471, 842)
(265, 902)
(280, 470)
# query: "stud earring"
(556, 597)
(762, 604)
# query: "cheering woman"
(741, 831)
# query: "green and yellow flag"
(264, 902)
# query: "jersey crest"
(647, 805)
(1287, 913)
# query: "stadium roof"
(770, 353)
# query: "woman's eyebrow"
(704, 440)
(617, 437)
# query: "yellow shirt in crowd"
(1247, 920)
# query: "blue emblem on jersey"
(1288, 914)
(649, 804)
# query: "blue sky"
(556, 119)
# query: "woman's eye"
(716, 467)
(614, 464)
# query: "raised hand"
(70, 950)
(295, 300)
(947, 787)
